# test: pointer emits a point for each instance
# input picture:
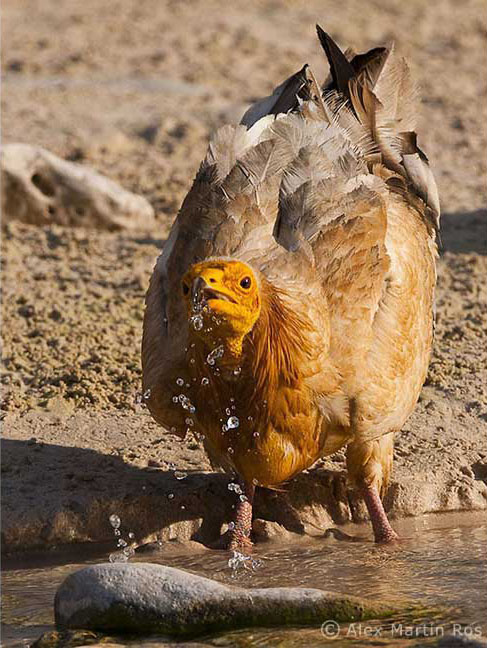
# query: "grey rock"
(40, 188)
(147, 598)
(461, 641)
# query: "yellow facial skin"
(226, 294)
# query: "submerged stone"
(144, 598)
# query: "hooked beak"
(202, 292)
(197, 290)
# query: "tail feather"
(341, 69)
(378, 88)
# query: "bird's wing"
(379, 89)
(363, 204)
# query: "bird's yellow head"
(223, 300)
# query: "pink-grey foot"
(383, 532)
(237, 538)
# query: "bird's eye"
(185, 288)
(246, 282)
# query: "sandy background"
(134, 89)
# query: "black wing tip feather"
(341, 68)
(288, 99)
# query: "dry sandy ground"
(134, 88)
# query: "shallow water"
(440, 563)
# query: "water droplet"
(237, 371)
(173, 429)
(179, 474)
(192, 361)
(250, 418)
(121, 543)
(180, 382)
(243, 498)
(239, 560)
(189, 421)
(214, 355)
(115, 521)
(233, 422)
(255, 434)
(183, 507)
(230, 450)
(197, 322)
(147, 394)
(186, 403)
(228, 411)
(231, 526)
(170, 496)
(205, 381)
(131, 535)
(224, 428)
(175, 399)
(232, 400)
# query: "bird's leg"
(240, 533)
(237, 538)
(383, 532)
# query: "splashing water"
(147, 394)
(186, 403)
(115, 521)
(236, 488)
(126, 549)
(233, 423)
(239, 561)
(214, 355)
(179, 474)
(197, 322)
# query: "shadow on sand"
(464, 232)
(55, 495)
